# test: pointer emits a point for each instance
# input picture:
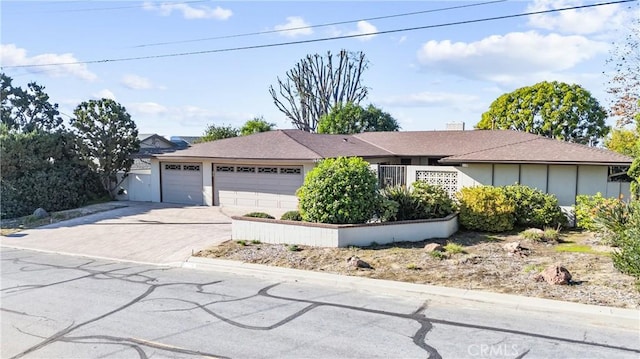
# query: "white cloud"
(364, 27)
(11, 55)
(295, 26)
(188, 11)
(147, 108)
(136, 82)
(505, 59)
(105, 93)
(579, 21)
(428, 99)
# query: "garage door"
(181, 183)
(257, 186)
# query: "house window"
(225, 168)
(289, 171)
(246, 169)
(267, 169)
(191, 167)
(172, 167)
(405, 161)
(618, 174)
(448, 180)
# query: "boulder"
(514, 248)
(554, 274)
(40, 213)
(355, 262)
(432, 247)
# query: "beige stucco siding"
(562, 183)
(592, 179)
(476, 174)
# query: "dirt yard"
(484, 264)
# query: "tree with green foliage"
(43, 169)
(214, 133)
(318, 83)
(623, 141)
(27, 110)
(350, 118)
(551, 109)
(339, 191)
(258, 124)
(107, 139)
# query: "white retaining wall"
(328, 235)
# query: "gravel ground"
(484, 265)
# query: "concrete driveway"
(141, 231)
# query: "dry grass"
(484, 265)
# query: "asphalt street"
(58, 306)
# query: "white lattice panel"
(448, 180)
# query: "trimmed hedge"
(486, 208)
(534, 208)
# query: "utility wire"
(320, 25)
(322, 39)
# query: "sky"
(175, 80)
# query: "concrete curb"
(600, 315)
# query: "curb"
(598, 315)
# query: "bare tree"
(317, 83)
(624, 83)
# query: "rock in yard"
(515, 248)
(40, 213)
(554, 274)
(432, 247)
(355, 262)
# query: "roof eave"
(585, 163)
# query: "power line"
(252, 47)
(320, 25)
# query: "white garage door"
(181, 183)
(257, 186)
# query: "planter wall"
(329, 235)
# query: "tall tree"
(258, 124)
(552, 109)
(624, 81)
(318, 83)
(623, 141)
(108, 137)
(351, 118)
(27, 110)
(214, 133)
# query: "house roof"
(452, 147)
(542, 150)
(282, 145)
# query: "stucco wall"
(326, 235)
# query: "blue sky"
(424, 78)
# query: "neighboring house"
(137, 186)
(264, 170)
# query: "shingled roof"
(453, 147)
(282, 145)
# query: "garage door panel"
(257, 189)
(182, 183)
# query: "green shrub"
(532, 235)
(259, 215)
(291, 216)
(453, 248)
(293, 248)
(486, 208)
(438, 255)
(422, 201)
(534, 208)
(587, 208)
(551, 234)
(339, 191)
(435, 202)
(241, 242)
(409, 206)
(627, 238)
